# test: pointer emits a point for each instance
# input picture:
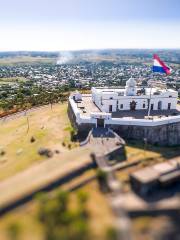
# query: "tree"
(60, 221)
(111, 234)
(102, 178)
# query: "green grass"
(151, 151)
(68, 128)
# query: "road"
(22, 113)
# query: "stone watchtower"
(131, 88)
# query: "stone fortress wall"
(83, 128)
(166, 135)
(164, 131)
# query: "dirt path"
(21, 113)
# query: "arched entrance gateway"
(100, 118)
(133, 105)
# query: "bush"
(102, 178)
(32, 139)
(111, 234)
(2, 153)
(59, 220)
(45, 152)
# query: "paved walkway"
(104, 141)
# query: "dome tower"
(131, 88)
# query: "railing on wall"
(86, 141)
(86, 119)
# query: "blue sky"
(89, 24)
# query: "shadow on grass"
(166, 151)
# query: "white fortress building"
(133, 98)
(133, 112)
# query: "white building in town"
(134, 98)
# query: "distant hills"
(105, 55)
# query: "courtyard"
(87, 106)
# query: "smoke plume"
(65, 57)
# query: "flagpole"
(149, 109)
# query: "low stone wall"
(71, 116)
(167, 135)
(24, 197)
(117, 152)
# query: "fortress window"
(169, 106)
(111, 98)
(121, 106)
(144, 105)
(170, 96)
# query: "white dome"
(131, 82)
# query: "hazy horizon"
(86, 49)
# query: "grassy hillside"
(49, 128)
